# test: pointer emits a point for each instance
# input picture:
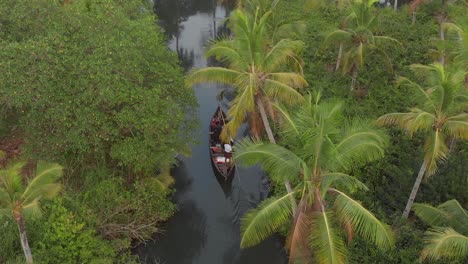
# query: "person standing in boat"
(227, 152)
(217, 132)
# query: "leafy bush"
(9, 241)
(122, 212)
(62, 238)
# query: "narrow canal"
(205, 230)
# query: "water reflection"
(206, 229)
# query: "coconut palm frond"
(444, 243)
(241, 106)
(403, 81)
(10, 178)
(326, 242)
(457, 126)
(361, 143)
(422, 71)
(6, 203)
(291, 79)
(284, 92)
(434, 216)
(338, 36)
(383, 40)
(340, 181)
(260, 223)
(227, 52)
(288, 124)
(412, 122)
(213, 75)
(458, 215)
(364, 223)
(297, 241)
(43, 184)
(435, 151)
(32, 209)
(278, 55)
(276, 160)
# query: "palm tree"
(255, 67)
(447, 239)
(357, 38)
(442, 17)
(459, 35)
(321, 147)
(440, 116)
(21, 201)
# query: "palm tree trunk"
(338, 60)
(410, 202)
(354, 78)
(442, 32)
(261, 108)
(24, 239)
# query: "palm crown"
(448, 236)
(440, 115)
(20, 201)
(18, 198)
(322, 146)
(358, 37)
(440, 112)
(255, 66)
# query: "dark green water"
(205, 230)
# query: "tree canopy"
(95, 81)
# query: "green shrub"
(9, 240)
(62, 238)
(122, 212)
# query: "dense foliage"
(91, 85)
(390, 179)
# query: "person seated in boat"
(216, 148)
(228, 152)
(214, 122)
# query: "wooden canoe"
(221, 162)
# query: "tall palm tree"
(321, 147)
(357, 39)
(447, 239)
(440, 116)
(256, 68)
(20, 201)
(459, 35)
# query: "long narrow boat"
(221, 162)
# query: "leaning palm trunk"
(442, 31)
(414, 192)
(261, 108)
(354, 79)
(338, 60)
(24, 239)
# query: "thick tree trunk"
(24, 239)
(414, 192)
(261, 108)
(338, 60)
(395, 5)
